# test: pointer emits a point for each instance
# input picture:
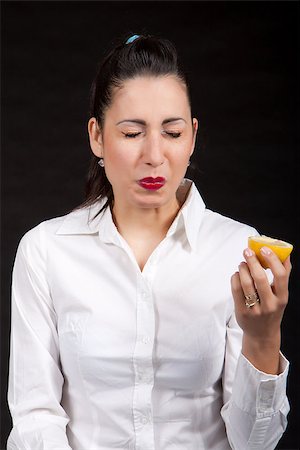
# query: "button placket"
(143, 367)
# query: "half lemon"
(281, 248)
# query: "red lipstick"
(152, 184)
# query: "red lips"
(152, 184)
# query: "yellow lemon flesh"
(280, 248)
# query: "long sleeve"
(106, 356)
(255, 403)
(35, 378)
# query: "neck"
(143, 221)
(145, 228)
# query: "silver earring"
(101, 162)
(189, 163)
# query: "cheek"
(123, 158)
(112, 151)
(119, 162)
(181, 155)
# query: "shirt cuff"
(258, 393)
(41, 431)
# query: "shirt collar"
(82, 221)
(190, 216)
(87, 221)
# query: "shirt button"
(145, 339)
(144, 420)
(144, 377)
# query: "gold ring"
(252, 299)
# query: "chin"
(149, 204)
(149, 200)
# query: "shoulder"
(211, 222)
(225, 225)
(210, 229)
(76, 222)
(225, 236)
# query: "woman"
(125, 331)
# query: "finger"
(237, 292)
(246, 279)
(280, 273)
(259, 277)
(288, 265)
(239, 297)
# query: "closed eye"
(131, 135)
(173, 135)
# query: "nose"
(153, 153)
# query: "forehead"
(146, 94)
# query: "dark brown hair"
(145, 55)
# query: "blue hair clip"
(132, 38)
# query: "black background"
(242, 59)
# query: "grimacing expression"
(148, 132)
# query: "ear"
(195, 129)
(95, 136)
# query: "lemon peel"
(281, 248)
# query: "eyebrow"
(142, 122)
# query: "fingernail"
(265, 251)
(248, 252)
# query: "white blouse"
(106, 356)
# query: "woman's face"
(146, 141)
